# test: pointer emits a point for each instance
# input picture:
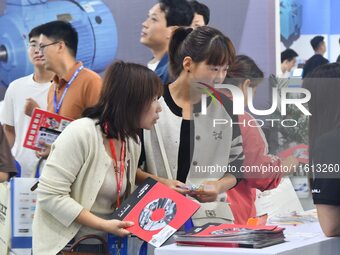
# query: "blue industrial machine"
(290, 20)
(92, 19)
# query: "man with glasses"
(22, 96)
(75, 87)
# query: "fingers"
(118, 227)
(43, 153)
(42, 143)
(125, 224)
(122, 232)
(179, 183)
(210, 192)
(181, 191)
(205, 198)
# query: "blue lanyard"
(57, 107)
(143, 250)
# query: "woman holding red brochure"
(245, 73)
(92, 165)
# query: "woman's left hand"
(208, 193)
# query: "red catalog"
(157, 211)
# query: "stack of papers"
(294, 218)
(232, 235)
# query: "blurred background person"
(324, 143)
(22, 96)
(317, 59)
(201, 16)
(163, 18)
(288, 61)
(245, 74)
(7, 166)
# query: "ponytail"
(177, 51)
(202, 44)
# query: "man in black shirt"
(317, 59)
(324, 142)
(326, 186)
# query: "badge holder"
(117, 245)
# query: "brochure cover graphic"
(44, 127)
(157, 211)
(299, 151)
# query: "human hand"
(207, 192)
(4, 177)
(30, 105)
(117, 227)
(45, 151)
(290, 162)
(175, 185)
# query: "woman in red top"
(245, 73)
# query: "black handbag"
(71, 250)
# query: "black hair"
(177, 12)
(202, 44)
(316, 42)
(35, 32)
(244, 68)
(288, 54)
(128, 89)
(61, 31)
(201, 9)
(324, 85)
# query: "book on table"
(232, 235)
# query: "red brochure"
(299, 151)
(44, 127)
(157, 211)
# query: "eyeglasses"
(33, 46)
(43, 46)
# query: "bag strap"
(36, 174)
(104, 243)
(37, 168)
(164, 156)
(143, 250)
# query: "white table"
(301, 240)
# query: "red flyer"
(157, 211)
(44, 127)
(299, 151)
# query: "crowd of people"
(147, 121)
